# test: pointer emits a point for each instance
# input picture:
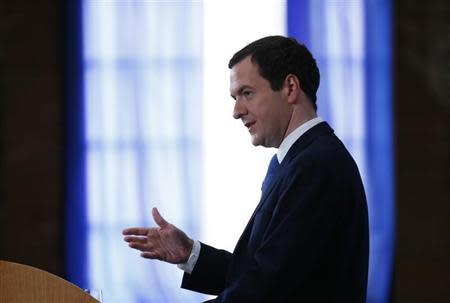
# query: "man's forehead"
(244, 65)
(243, 73)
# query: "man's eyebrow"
(240, 89)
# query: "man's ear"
(292, 86)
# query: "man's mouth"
(249, 124)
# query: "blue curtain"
(351, 41)
(141, 137)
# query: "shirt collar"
(294, 135)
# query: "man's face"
(263, 111)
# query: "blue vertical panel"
(298, 19)
(351, 42)
(75, 189)
(380, 147)
(142, 139)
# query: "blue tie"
(273, 166)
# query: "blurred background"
(109, 108)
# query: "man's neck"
(290, 139)
(299, 117)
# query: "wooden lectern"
(25, 284)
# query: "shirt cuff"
(189, 265)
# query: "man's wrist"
(189, 250)
(188, 267)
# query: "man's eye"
(247, 93)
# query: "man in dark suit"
(307, 240)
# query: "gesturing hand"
(165, 242)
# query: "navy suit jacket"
(307, 240)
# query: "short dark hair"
(277, 57)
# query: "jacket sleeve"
(209, 273)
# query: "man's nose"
(239, 109)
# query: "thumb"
(158, 218)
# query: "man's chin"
(256, 141)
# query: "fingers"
(147, 250)
(136, 231)
(141, 242)
(158, 218)
(147, 240)
(141, 246)
(133, 239)
(143, 231)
